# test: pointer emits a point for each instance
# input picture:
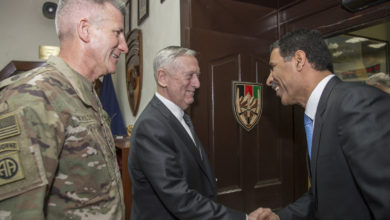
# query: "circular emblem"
(8, 168)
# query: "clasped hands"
(263, 214)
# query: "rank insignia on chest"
(247, 103)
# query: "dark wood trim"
(185, 24)
(122, 144)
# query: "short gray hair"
(381, 78)
(66, 8)
(167, 56)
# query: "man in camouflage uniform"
(57, 154)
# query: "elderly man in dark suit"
(347, 128)
(170, 172)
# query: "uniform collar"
(83, 87)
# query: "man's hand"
(263, 214)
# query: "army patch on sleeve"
(10, 166)
(8, 126)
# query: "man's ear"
(162, 78)
(300, 59)
(83, 30)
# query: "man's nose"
(269, 79)
(195, 81)
(123, 45)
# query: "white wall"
(160, 29)
(24, 28)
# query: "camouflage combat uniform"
(57, 154)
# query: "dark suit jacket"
(169, 179)
(350, 165)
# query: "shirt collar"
(314, 99)
(175, 109)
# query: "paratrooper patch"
(10, 166)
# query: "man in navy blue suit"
(348, 133)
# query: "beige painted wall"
(24, 28)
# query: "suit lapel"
(205, 162)
(319, 121)
(178, 128)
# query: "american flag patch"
(8, 126)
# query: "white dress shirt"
(314, 99)
(176, 111)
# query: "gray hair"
(381, 78)
(167, 56)
(66, 10)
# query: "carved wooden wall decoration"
(134, 69)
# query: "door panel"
(252, 168)
(225, 147)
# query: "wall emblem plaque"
(247, 103)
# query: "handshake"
(263, 214)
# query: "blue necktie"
(308, 122)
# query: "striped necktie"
(188, 121)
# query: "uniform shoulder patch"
(21, 162)
(11, 169)
(21, 169)
(8, 126)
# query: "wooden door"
(265, 166)
(253, 168)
